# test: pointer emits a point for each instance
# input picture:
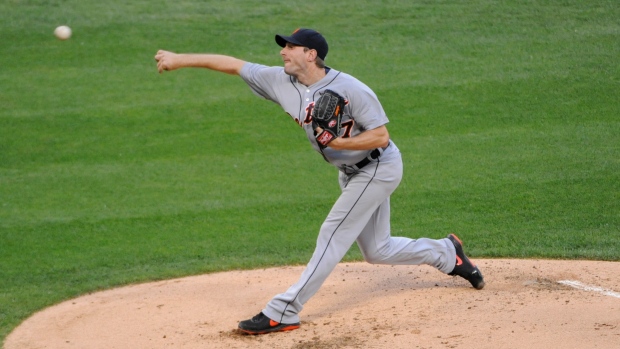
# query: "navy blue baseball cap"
(307, 38)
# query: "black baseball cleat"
(261, 324)
(464, 267)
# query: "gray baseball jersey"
(362, 212)
(362, 110)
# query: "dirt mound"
(526, 304)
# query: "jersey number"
(347, 126)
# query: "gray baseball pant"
(362, 214)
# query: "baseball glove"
(327, 114)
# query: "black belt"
(372, 156)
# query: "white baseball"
(63, 32)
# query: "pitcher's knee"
(374, 257)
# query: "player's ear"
(312, 55)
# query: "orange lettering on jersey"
(308, 118)
(347, 126)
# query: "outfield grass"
(507, 116)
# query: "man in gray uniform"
(369, 162)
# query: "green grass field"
(507, 116)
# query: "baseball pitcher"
(346, 124)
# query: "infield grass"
(507, 116)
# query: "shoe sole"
(281, 328)
(480, 284)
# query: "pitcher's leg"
(379, 247)
(359, 199)
(330, 249)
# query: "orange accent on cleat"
(261, 324)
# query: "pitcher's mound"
(525, 304)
